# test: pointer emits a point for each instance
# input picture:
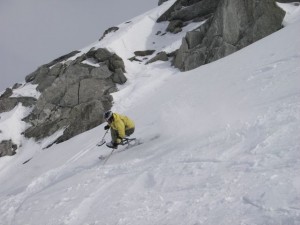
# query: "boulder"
(175, 26)
(119, 77)
(161, 56)
(134, 59)
(7, 148)
(116, 62)
(144, 53)
(102, 54)
(109, 30)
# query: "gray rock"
(167, 15)
(181, 54)
(7, 104)
(102, 54)
(8, 92)
(109, 30)
(116, 62)
(84, 117)
(62, 58)
(196, 10)
(37, 75)
(91, 89)
(76, 88)
(235, 25)
(144, 53)
(16, 86)
(195, 37)
(134, 59)
(161, 56)
(101, 72)
(45, 129)
(175, 26)
(119, 77)
(7, 148)
(79, 59)
(71, 96)
(186, 10)
(43, 76)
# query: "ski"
(130, 144)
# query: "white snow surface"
(221, 143)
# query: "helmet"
(108, 115)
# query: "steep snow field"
(221, 143)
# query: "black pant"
(115, 134)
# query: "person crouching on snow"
(121, 126)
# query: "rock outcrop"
(235, 25)
(109, 30)
(74, 94)
(161, 56)
(7, 104)
(187, 10)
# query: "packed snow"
(220, 143)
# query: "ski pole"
(112, 151)
(103, 140)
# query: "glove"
(106, 127)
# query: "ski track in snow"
(220, 146)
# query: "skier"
(120, 125)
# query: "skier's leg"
(114, 135)
(129, 132)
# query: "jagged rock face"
(75, 94)
(235, 25)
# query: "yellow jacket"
(121, 123)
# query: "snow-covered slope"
(221, 143)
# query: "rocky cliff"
(230, 25)
(74, 95)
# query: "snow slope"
(221, 144)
